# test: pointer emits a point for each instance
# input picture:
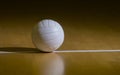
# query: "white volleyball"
(48, 35)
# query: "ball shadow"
(20, 50)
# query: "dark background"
(88, 24)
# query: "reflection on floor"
(33, 62)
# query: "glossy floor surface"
(96, 33)
(88, 25)
(16, 34)
(28, 61)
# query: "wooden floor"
(89, 33)
(26, 61)
(18, 55)
(88, 25)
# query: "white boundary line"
(73, 51)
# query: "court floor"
(81, 33)
(20, 61)
(87, 24)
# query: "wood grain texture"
(84, 32)
(59, 63)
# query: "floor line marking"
(67, 51)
